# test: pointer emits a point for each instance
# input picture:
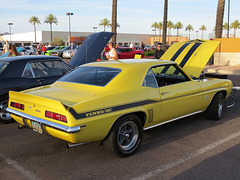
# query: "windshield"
(2, 66)
(57, 48)
(98, 76)
(66, 48)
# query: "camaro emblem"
(94, 113)
(206, 98)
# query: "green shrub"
(149, 53)
(58, 42)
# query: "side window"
(149, 80)
(169, 74)
(49, 68)
(27, 73)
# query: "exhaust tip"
(21, 126)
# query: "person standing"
(142, 46)
(39, 49)
(13, 51)
(44, 49)
(6, 47)
(158, 52)
(112, 53)
(131, 45)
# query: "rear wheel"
(215, 109)
(126, 136)
(4, 115)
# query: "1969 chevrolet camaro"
(114, 101)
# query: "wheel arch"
(140, 114)
(224, 92)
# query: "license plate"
(37, 127)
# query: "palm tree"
(225, 27)
(219, 19)
(105, 23)
(49, 20)
(34, 20)
(170, 25)
(165, 24)
(160, 27)
(189, 28)
(114, 21)
(202, 28)
(155, 26)
(178, 26)
(235, 25)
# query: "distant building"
(123, 39)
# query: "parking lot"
(191, 148)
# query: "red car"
(128, 53)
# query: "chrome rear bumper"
(44, 122)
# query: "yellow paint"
(97, 103)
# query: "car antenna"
(86, 53)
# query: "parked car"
(48, 52)
(30, 50)
(128, 53)
(115, 101)
(20, 50)
(23, 72)
(70, 53)
(149, 47)
(60, 52)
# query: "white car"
(30, 50)
(70, 53)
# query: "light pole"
(69, 14)
(196, 34)
(228, 18)
(10, 24)
(94, 29)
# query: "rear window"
(2, 67)
(98, 76)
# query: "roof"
(28, 58)
(125, 63)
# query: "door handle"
(40, 81)
(163, 93)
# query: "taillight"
(55, 116)
(17, 105)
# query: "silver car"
(70, 53)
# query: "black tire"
(4, 116)
(126, 136)
(215, 109)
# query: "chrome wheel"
(215, 109)
(127, 135)
(5, 116)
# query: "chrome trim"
(172, 120)
(45, 122)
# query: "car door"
(180, 95)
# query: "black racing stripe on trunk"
(175, 56)
(109, 109)
(189, 54)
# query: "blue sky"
(134, 16)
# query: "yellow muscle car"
(114, 101)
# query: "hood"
(192, 55)
(91, 48)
